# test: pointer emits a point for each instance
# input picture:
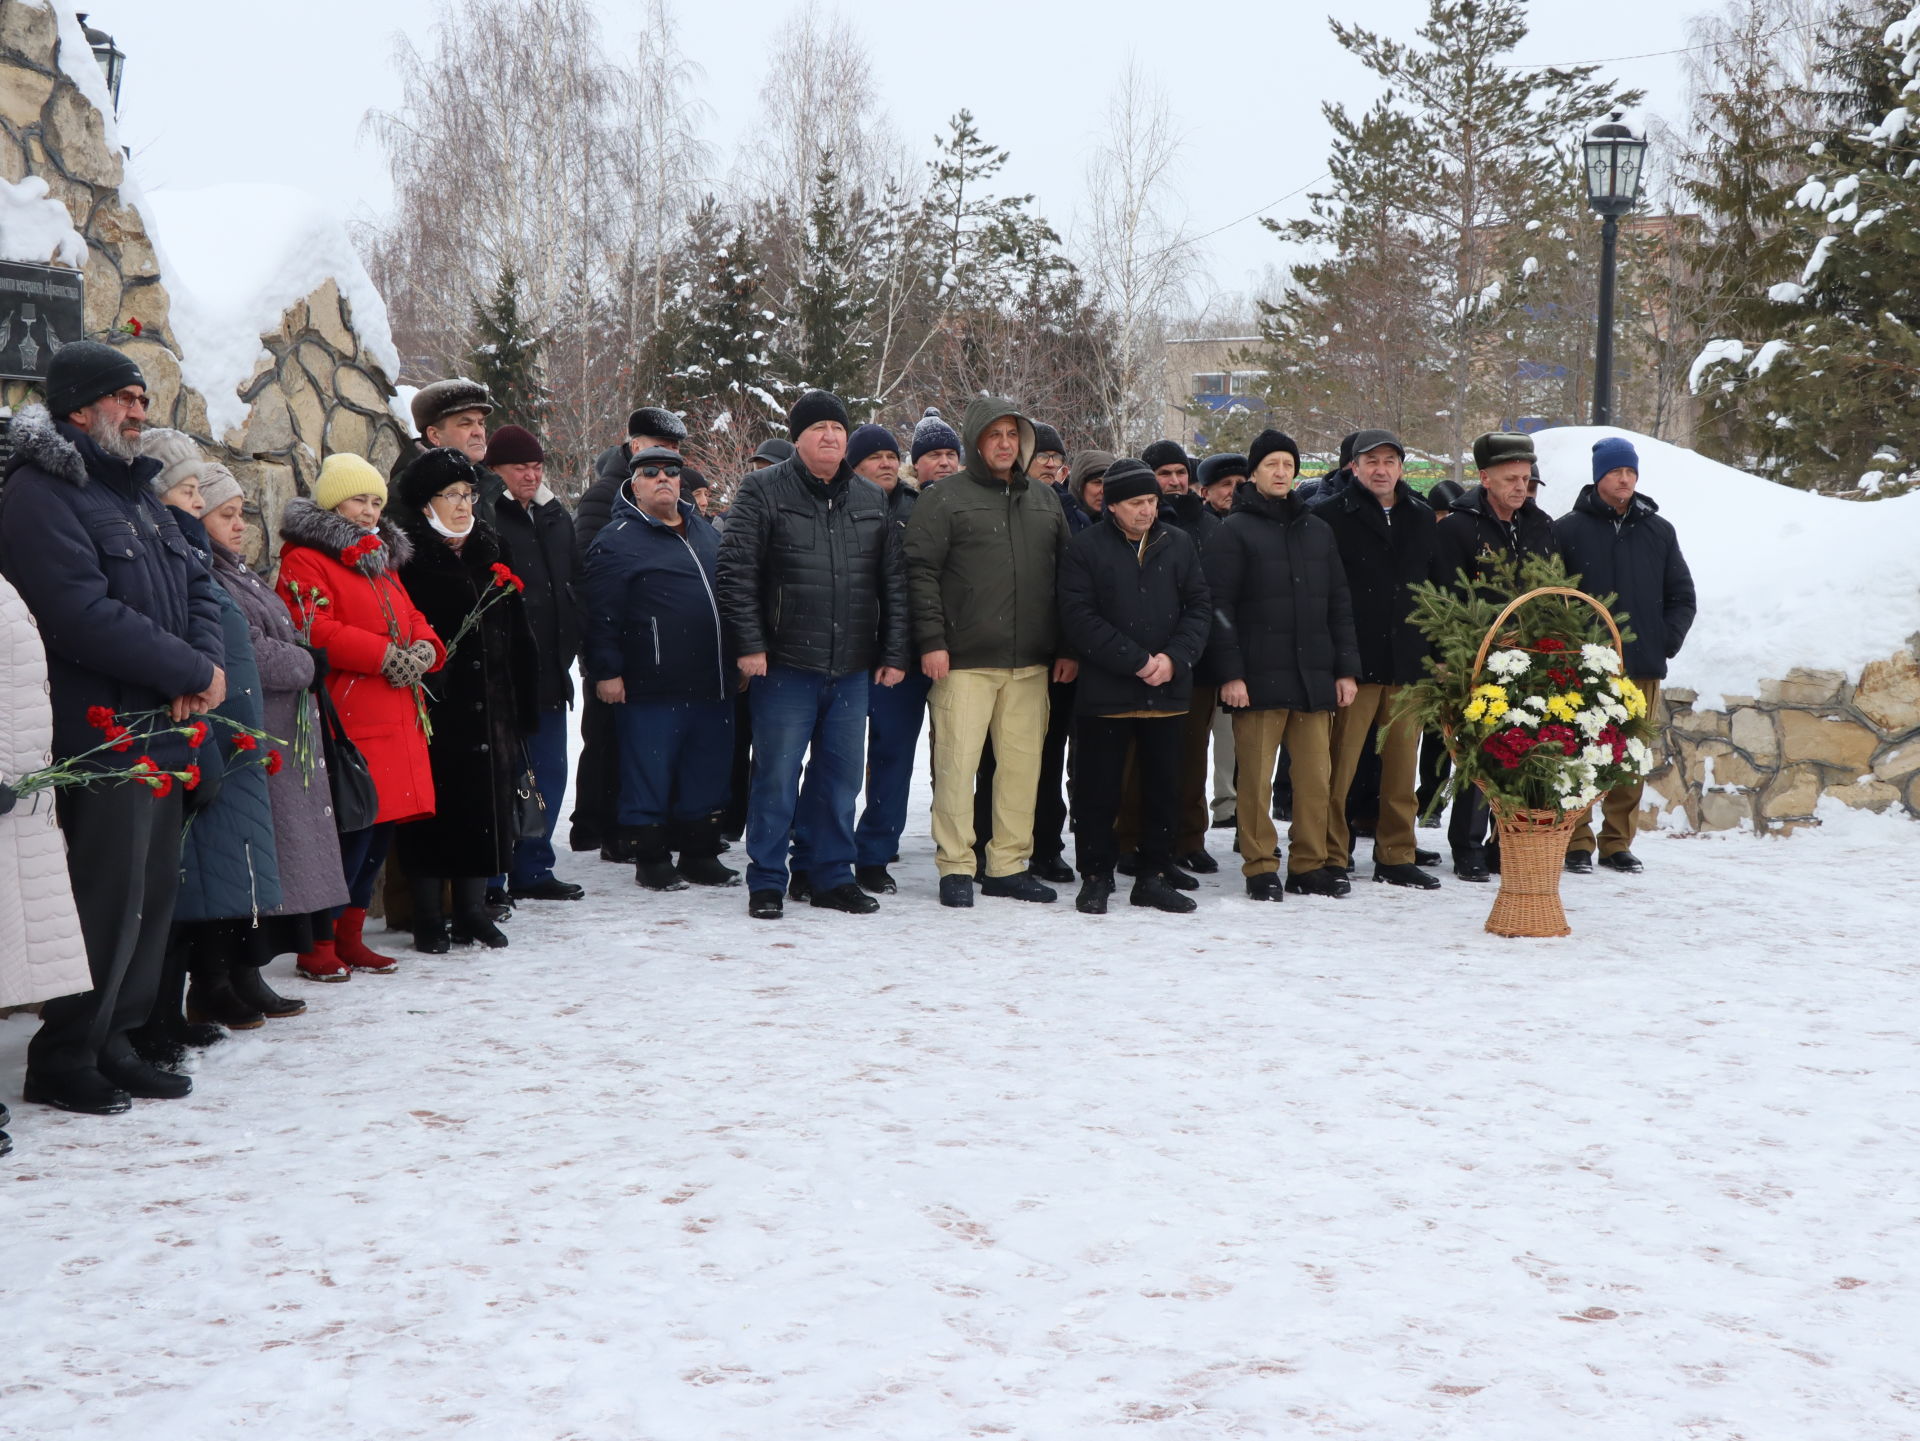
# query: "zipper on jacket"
(654, 621)
(253, 884)
(719, 648)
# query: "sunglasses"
(654, 472)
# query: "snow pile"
(1786, 578)
(236, 257)
(35, 228)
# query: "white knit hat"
(179, 457)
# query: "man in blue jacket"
(1618, 543)
(655, 651)
(131, 623)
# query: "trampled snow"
(236, 256)
(1327, 1169)
(1786, 577)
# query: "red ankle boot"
(322, 963)
(353, 951)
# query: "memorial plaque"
(42, 307)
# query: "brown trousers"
(1194, 815)
(1257, 738)
(1618, 807)
(1399, 778)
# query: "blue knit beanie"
(867, 441)
(933, 433)
(1612, 453)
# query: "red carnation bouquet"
(505, 583)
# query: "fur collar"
(304, 523)
(36, 442)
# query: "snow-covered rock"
(236, 256)
(36, 228)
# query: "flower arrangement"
(1546, 723)
(121, 733)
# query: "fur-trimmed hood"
(304, 523)
(36, 440)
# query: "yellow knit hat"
(343, 476)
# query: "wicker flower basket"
(1533, 843)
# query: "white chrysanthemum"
(1507, 664)
(1597, 755)
(1601, 659)
(1591, 721)
(1640, 754)
(1613, 708)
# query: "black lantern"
(1614, 154)
(112, 61)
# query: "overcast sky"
(220, 90)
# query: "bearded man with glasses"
(131, 624)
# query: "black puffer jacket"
(1120, 604)
(812, 574)
(1384, 552)
(538, 543)
(1636, 558)
(1469, 529)
(1190, 513)
(595, 506)
(1282, 617)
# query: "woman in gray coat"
(306, 842)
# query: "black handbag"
(356, 801)
(529, 806)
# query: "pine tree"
(1430, 226)
(1824, 389)
(721, 380)
(506, 358)
(825, 344)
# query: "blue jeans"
(547, 749)
(895, 715)
(805, 717)
(676, 760)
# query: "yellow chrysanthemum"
(1631, 696)
(1564, 707)
(1476, 709)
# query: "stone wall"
(1768, 759)
(315, 391)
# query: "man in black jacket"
(1134, 607)
(1617, 542)
(1496, 518)
(536, 536)
(1284, 650)
(813, 587)
(596, 790)
(132, 624)
(1386, 538)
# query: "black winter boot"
(471, 922)
(652, 866)
(1095, 891)
(1150, 888)
(250, 985)
(429, 916)
(700, 855)
(212, 998)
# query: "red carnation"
(122, 735)
(1561, 736)
(134, 325)
(100, 717)
(245, 742)
(192, 774)
(1549, 643)
(197, 733)
(503, 576)
(274, 762)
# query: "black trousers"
(1100, 761)
(1467, 826)
(1435, 766)
(123, 857)
(596, 788)
(1050, 805)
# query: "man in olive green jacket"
(982, 548)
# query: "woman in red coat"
(336, 548)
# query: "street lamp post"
(1614, 152)
(112, 60)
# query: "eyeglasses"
(133, 399)
(456, 497)
(654, 472)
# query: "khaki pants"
(1619, 806)
(1399, 778)
(1223, 762)
(1257, 738)
(966, 708)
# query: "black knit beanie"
(1266, 443)
(1126, 479)
(814, 407)
(1166, 452)
(84, 370)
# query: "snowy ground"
(1331, 1169)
